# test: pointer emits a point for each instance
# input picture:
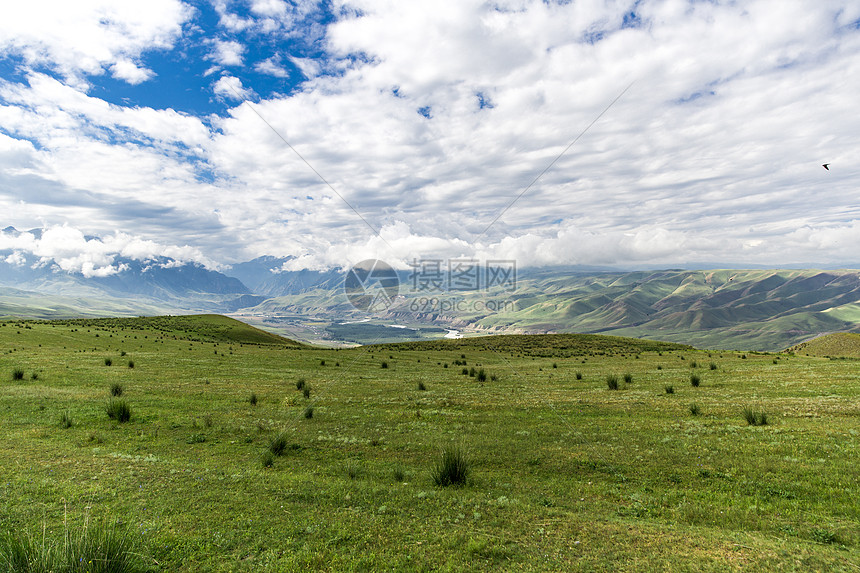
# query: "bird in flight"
(826, 166)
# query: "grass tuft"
(422, 386)
(669, 389)
(612, 382)
(579, 375)
(118, 410)
(628, 378)
(95, 549)
(695, 380)
(116, 389)
(252, 399)
(754, 417)
(66, 420)
(108, 361)
(17, 374)
(267, 460)
(453, 468)
(300, 384)
(695, 409)
(278, 444)
(309, 412)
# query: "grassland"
(565, 474)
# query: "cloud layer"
(413, 125)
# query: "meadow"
(245, 452)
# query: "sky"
(585, 132)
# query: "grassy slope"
(567, 474)
(840, 344)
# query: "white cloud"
(714, 153)
(130, 72)
(271, 67)
(230, 87)
(73, 252)
(227, 52)
(89, 36)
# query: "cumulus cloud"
(230, 87)
(227, 52)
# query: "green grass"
(91, 549)
(631, 475)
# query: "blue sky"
(426, 120)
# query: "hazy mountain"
(750, 309)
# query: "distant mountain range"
(745, 309)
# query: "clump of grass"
(579, 375)
(300, 384)
(421, 386)
(453, 468)
(309, 412)
(306, 391)
(17, 374)
(465, 372)
(713, 366)
(96, 549)
(108, 361)
(554, 365)
(694, 364)
(754, 417)
(252, 399)
(384, 364)
(612, 382)
(824, 536)
(472, 371)
(267, 460)
(669, 389)
(116, 389)
(278, 444)
(628, 378)
(695, 409)
(131, 363)
(207, 420)
(118, 410)
(353, 469)
(399, 474)
(695, 380)
(34, 376)
(66, 420)
(482, 375)
(659, 367)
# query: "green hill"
(566, 345)
(840, 344)
(197, 328)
